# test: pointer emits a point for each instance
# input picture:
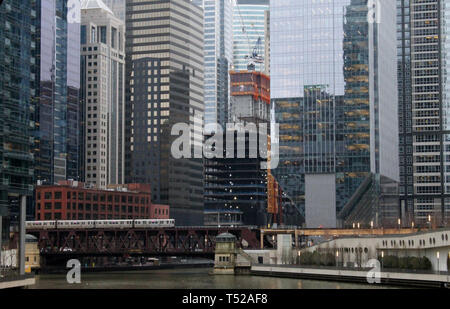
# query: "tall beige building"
(103, 94)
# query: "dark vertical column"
(23, 210)
(1, 238)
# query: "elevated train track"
(186, 241)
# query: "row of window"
(93, 196)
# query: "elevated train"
(99, 224)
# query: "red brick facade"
(72, 201)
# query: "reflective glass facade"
(57, 131)
(248, 26)
(218, 20)
(17, 83)
(332, 95)
(118, 8)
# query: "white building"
(103, 93)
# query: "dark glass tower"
(57, 131)
(16, 109)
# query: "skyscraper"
(424, 105)
(57, 140)
(218, 22)
(267, 42)
(118, 8)
(164, 86)
(16, 120)
(102, 94)
(248, 27)
(332, 71)
(235, 181)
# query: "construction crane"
(255, 54)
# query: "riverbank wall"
(431, 280)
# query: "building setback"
(332, 71)
(102, 94)
(423, 107)
(73, 200)
(164, 86)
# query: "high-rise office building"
(165, 71)
(118, 8)
(332, 72)
(218, 22)
(16, 122)
(267, 42)
(236, 190)
(57, 137)
(102, 94)
(424, 103)
(248, 28)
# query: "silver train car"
(99, 224)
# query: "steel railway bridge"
(179, 241)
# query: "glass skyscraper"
(248, 27)
(17, 83)
(332, 66)
(57, 130)
(218, 21)
(118, 8)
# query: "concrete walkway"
(350, 275)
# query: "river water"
(194, 278)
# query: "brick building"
(72, 200)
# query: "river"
(193, 278)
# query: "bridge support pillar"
(261, 239)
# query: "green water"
(195, 278)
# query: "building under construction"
(239, 189)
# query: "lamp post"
(382, 258)
(437, 256)
(358, 225)
(399, 221)
(371, 224)
(337, 258)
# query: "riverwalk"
(387, 277)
